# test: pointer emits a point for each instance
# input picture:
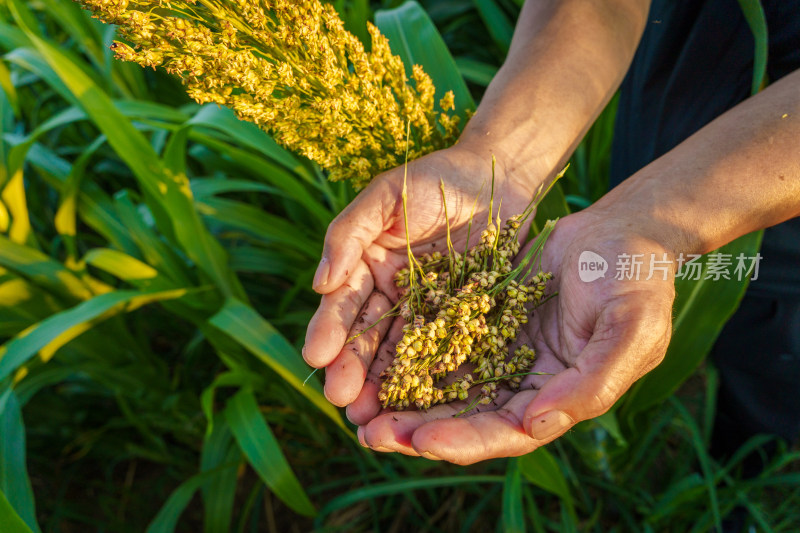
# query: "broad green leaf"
(247, 134)
(244, 325)
(513, 516)
(203, 188)
(271, 229)
(541, 468)
(413, 36)
(10, 522)
(52, 333)
(757, 20)
(97, 211)
(701, 310)
(14, 481)
(263, 452)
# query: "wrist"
(517, 175)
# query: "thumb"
(614, 358)
(353, 231)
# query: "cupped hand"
(593, 341)
(366, 245)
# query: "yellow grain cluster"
(292, 69)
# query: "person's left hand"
(595, 339)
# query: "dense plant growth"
(156, 257)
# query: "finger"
(477, 437)
(360, 435)
(353, 231)
(395, 430)
(345, 377)
(327, 331)
(630, 338)
(366, 406)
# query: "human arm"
(738, 174)
(566, 60)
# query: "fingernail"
(549, 424)
(429, 455)
(321, 276)
(360, 434)
(382, 449)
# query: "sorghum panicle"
(462, 308)
(291, 68)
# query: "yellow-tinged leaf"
(13, 196)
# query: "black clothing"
(695, 62)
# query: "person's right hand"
(366, 245)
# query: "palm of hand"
(593, 341)
(370, 247)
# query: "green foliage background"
(155, 264)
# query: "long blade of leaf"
(243, 324)
(263, 452)
(50, 334)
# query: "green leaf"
(167, 518)
(204, 188)
(156, 252)
(552, 207)
(513, 516)
(42, 270)
(14, 479)
(244, 325)
(10, 522)
(500, 28)
(263, 452)
(541, 468)
(220, 453)
(757, 20)
(413, 36)
(8, 87)
(239, 377)
(246, 134)
(65, 219)
(52, 333)
(269, 228)
(476, 71)
(119, 264)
